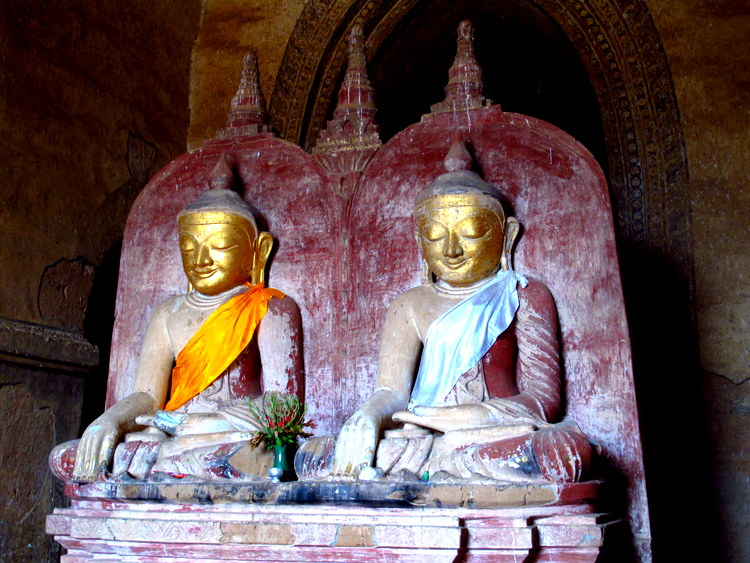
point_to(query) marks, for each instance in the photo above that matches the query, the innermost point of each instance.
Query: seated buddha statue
(468, 383)
(205, 353)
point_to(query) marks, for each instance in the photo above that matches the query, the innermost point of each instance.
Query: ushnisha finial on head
(220, 198)
(458, 157)
(221, 177)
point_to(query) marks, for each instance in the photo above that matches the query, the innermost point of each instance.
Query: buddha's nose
(204, 256)
(452, 246)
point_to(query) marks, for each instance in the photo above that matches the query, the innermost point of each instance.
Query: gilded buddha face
(220, 251)
(461, 236)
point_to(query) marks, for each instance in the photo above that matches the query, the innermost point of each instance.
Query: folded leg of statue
(406, 449)
(208, 456)
(62, 459)
(314, 458)
(558, 453)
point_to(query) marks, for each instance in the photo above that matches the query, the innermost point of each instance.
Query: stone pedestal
(379, 521)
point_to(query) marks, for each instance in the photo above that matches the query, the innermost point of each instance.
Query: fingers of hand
(427, 411)
(81, 468)
(87, 458)
(94, 451)
(351, 450)
(105, 452)
(345, 450)
(406, 416)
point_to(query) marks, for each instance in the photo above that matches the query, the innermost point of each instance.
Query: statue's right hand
(95, 449)
(355, 447)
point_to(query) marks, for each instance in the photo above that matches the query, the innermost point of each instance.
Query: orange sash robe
(218, 342)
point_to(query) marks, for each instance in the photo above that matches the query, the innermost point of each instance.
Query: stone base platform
(230, 521)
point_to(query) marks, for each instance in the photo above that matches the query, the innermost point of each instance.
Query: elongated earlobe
(426, 273)
(263, 247)
(511, 232)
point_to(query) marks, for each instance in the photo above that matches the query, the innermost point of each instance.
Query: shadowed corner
(672, 408)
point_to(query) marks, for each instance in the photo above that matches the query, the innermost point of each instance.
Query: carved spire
(351, 137)
(248, 113)
(356, 96)
(465, 87)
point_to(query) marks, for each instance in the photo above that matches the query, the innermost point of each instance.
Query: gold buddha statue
(469, 381)
(204, 354)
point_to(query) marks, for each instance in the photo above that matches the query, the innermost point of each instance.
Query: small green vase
(280, 458)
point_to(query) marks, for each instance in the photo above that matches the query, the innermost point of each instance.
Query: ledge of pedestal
(368, 493)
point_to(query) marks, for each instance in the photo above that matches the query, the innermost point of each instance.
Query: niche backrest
(559, 194)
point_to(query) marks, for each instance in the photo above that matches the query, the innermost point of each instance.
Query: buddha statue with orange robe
(205, 353)
(469, 383)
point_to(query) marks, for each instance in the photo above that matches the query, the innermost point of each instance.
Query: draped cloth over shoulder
(460, 337)
(218, 342)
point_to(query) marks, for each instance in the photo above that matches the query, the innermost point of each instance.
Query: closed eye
(186, 244)
(475, 227)
(474, 234)
(434, 232)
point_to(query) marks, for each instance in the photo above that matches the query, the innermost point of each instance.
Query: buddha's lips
(203, 274)
(454, 265)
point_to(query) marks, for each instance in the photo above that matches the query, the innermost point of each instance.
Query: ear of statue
(263, 247)
(426, 273)
(511, 232)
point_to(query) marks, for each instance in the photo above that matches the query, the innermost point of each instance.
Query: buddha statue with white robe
(469, 382)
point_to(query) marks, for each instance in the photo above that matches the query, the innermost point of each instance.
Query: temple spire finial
(350, 138)
(356, 96)
(465, 86)
(247, 115)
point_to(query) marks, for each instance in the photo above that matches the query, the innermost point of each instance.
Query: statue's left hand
(444, 419)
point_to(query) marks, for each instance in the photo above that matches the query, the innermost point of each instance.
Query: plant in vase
(281, 420)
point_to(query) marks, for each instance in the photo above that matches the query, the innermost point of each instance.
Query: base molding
(129, 531)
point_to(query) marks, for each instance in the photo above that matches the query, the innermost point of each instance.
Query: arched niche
(619, 101)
